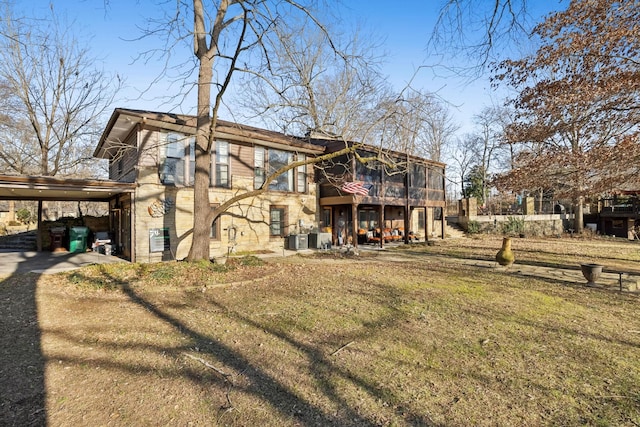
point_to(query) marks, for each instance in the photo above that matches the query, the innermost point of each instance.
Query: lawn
(411, 336)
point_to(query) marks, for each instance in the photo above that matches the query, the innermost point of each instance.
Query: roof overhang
(60, 189)
(124, 121)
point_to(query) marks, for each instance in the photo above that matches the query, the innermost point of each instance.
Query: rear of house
(156, 151)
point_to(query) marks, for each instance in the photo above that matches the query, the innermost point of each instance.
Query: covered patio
(46, 188)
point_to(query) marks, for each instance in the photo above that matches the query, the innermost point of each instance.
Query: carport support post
(354, 224)
(381, 224)
(39, 233)
(407, 224)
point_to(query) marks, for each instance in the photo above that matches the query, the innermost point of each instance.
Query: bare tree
(56, 95)
(412, 121)
(462, 159)
(479, 32)
(230, 37)
(486, 144)
(309, 87)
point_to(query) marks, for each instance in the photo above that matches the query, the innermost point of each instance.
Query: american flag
(356, 187)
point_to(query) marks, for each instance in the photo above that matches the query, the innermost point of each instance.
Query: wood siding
(241, 160)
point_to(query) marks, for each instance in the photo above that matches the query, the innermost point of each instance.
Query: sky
(403, 26)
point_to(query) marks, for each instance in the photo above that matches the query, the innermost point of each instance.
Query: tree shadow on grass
(324, 370)
(262, 384)
(22, 364)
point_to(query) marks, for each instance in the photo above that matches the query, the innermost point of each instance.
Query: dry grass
(369, 340)
(614, 254)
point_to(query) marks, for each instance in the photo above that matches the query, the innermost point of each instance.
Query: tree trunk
(201, 207)
(578, 220)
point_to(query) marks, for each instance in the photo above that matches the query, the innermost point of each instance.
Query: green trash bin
(78, 239)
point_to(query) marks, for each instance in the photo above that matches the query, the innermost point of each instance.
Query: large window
(370, 172)
(177, 159)
(277, 221)
(222, 164)
(277, 160)
(368, 219)
(267, 161)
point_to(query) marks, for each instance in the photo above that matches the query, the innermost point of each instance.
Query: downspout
(407, 207)
(443, 220)
(39, 233)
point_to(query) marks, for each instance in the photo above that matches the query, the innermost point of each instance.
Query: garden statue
(505, 256)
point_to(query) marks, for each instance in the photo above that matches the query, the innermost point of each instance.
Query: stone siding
(248, 220)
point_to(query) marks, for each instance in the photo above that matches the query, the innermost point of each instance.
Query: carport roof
(20, 187)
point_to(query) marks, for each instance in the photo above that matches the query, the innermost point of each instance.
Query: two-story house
(155, 151)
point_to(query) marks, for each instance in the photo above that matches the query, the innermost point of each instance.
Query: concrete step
(453, 231)
(25, 240)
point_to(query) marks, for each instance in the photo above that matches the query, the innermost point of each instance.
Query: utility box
(78, 239)
(320, 240)
(56, 235)
(298, 242)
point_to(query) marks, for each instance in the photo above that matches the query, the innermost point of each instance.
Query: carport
(46, 188)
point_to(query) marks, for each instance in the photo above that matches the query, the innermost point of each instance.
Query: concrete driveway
(12, 262)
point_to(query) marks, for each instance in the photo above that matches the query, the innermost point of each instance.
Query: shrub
(513, 225)
(24, 216)
(473, 227)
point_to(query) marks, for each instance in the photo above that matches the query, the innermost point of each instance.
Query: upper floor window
(436, 179)
(370, 172)
(222, 164)
(259, 167)
(301, 175)
(268, 161)
(278, 159)
(177, 159)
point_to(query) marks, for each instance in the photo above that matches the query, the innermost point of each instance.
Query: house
(155, 151)
(618, 215)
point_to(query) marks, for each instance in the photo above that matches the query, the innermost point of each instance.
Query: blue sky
(404, 27)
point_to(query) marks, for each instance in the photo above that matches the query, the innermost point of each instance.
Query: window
(277, 221)
(215, 227)
(177, 159)
(120, 167)
(368, 219)
(222, 164)
(326, 217)
(421, 219)
(259, 167)
(301, 174)
(370, 172)
(277, 160)
(268, 161)
(171, 154)
(437, 213)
